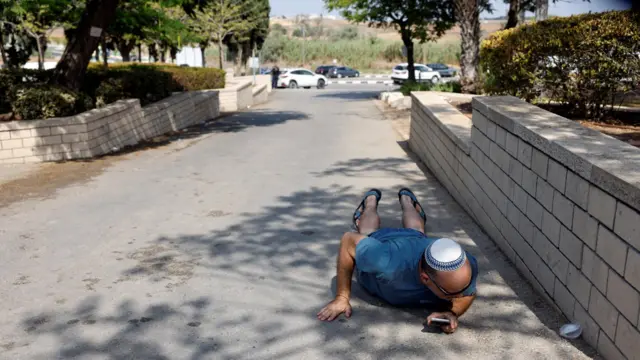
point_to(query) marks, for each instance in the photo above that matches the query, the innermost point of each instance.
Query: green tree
(243, 44)
(135, 20)
(278, 29)
(467, 13)
(38, 18)
(219, 19)
(424, 20)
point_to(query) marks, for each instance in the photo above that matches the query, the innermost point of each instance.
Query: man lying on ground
(403, 267)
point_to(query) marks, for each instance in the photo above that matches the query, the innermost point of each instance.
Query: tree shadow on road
(277, 262)
(360, 95)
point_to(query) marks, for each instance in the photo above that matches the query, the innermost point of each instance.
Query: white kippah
(444, 255)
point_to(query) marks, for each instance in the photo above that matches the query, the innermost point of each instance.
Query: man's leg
(410, 215)
(369, 221)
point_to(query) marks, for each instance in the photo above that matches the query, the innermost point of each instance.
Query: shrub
(409, 86)
(580, 61)
(149, 83)
(11, 79)
(450, 86)
(47, 101)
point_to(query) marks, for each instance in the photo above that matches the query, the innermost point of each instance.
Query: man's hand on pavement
(447, 328)
(334, 309)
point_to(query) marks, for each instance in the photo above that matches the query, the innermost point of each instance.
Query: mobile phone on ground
(440, 321)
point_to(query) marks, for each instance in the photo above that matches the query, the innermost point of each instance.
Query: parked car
(343, 71)
(423, 73)
(294, 78)
(444, 70)
(324, 69)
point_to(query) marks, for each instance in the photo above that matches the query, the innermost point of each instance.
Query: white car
(295, 78)
(423, 73)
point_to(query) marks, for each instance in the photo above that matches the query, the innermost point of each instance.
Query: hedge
(580, 61)
(30, 94)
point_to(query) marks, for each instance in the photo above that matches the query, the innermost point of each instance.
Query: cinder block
(571, 246)
(41, 131)
(628, 339)
(543, 274)
(632, 271)
(529, 180)
(595, 269)
(585, 227)
(590, 329)
(612, 249)
(534, 212)
(512, 145)
(557, 175)
(513, 214)
(607, 348)
(23, 152)
(524, 153)
(481, 140)
(579, 285)
(491, 130)
(624, 297)
(501, 137)
(20, 134)
(551, 255)
(6, 154)
(577, 189)
(565, 300)
(525, 228)
(68, 129)
(627, 225)
(563, 209)
(603, 312)
(519, 198)
(5, 135)
(515, 170)
(544, 194)
(11, 144)
(602, 206)
(500, 157)
(551, 227)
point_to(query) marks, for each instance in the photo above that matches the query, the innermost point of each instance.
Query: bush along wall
(580, 61)
(30, 95)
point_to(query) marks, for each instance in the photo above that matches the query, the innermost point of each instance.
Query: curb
(360, 82)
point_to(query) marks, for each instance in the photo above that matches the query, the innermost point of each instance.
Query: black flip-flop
(414, 199)
(356, 214)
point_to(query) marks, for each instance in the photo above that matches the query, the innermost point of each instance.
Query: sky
(562, 7)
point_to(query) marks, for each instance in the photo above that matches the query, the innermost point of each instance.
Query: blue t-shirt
(387, 266)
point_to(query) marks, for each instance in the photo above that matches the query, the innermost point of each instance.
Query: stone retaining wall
(104, 130)
(260, 94)
(236, 96)
(560, 200)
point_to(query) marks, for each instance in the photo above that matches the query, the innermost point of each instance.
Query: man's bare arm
(346, 263)
(460, 305)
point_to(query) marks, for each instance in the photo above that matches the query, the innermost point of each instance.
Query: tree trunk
(408, 43)
(153, 52)
(139, 52)
(203, 49)
(105, 53)
(5, 61)
(468, 15)
(173, 52)
(220, 52)
(522, 16)
(542, 10)
(163, 54)
(40, 53)
(97, 54)
(125, 48)
(72, 66)
(512, 15)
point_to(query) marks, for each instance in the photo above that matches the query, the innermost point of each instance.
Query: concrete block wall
(260, 94)
(560, 200)
(238, 95)
(104, 130)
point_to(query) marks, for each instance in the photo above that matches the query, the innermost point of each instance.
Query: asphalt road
(222, 246)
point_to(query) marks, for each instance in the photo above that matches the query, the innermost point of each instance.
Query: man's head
(445, 269)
